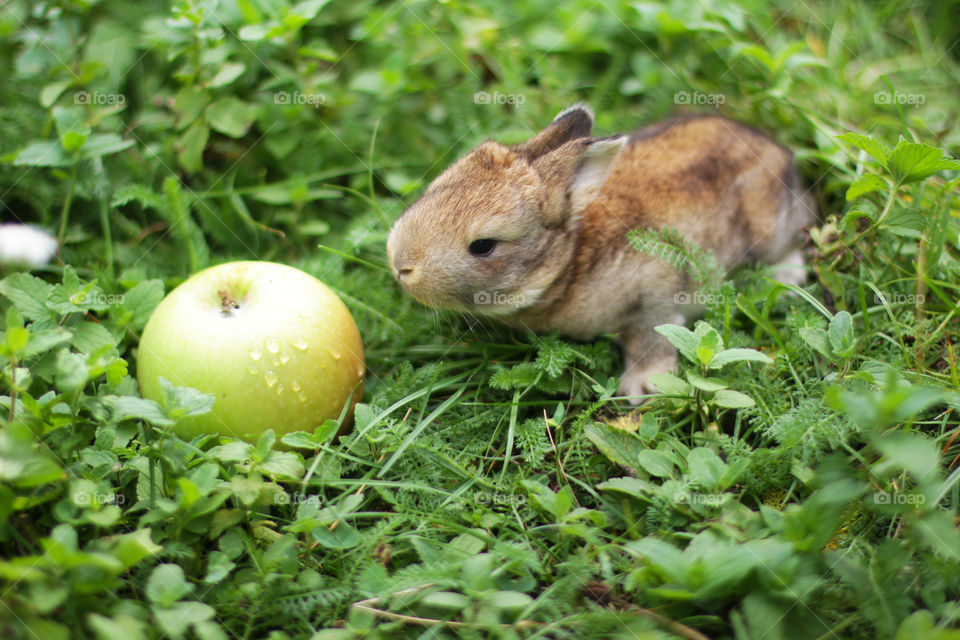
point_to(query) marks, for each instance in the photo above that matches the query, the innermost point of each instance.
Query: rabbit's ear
(595, 166)
(570, 124)
(573, 174)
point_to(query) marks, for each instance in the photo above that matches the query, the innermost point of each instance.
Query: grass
(493, 485)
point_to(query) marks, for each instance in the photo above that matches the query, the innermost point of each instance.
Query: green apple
(275, 346)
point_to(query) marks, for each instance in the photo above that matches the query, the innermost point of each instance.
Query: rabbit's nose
(403, 268)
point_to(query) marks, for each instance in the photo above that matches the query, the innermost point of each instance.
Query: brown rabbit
(536, 234)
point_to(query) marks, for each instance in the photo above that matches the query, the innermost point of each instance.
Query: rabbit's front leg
(646, 352)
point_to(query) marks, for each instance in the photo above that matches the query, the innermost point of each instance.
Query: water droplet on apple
(336, 354)
(252, 371)
(280, 388)
(300, 343)
(272, 345)
(284, 358)
(270, 378)
(256, 354)
(302, 398)
(295, 385)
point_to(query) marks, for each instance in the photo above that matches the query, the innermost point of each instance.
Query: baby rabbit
(536, 234)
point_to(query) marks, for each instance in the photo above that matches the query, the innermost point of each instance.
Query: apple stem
(227, 303)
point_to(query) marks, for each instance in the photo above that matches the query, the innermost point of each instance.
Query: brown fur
(560, 206)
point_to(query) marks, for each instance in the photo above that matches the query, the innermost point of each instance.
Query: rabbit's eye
(482, 247)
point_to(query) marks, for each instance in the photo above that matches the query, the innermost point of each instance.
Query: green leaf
(191, 145)
(44, 154)
(707, 347)
(121, 625)
(655, 462)
(178, 617)
(907, 222)
(706, 384)
(663, 555)
(729, 399)
(141, 300)
(509, 600)
(71, 128)
(52, 91)
(230, 116)
(914, 161)
(72, 371)
(449, 600)
(706, 468)
(228, 72)
(914, 453)
(90, 337)
(233, 451)
(46, 340)
(132, 548)
(342, 536)
(29, 294)
(17, 337)
(618, 445)
(553, 355)
(669, 384)
(105, 144)
(922, 624)
(939, 531)
(167, 584)
(134, 408)
(841, 335)
(219, 566)
(818, 340)
(683, 339)
(189, 103)
(319, 437)
(728, 356)
(184, 401)
(283, 466)
(875, 148)
(867, 183)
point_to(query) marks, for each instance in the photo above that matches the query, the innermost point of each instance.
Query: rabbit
(535, 235)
